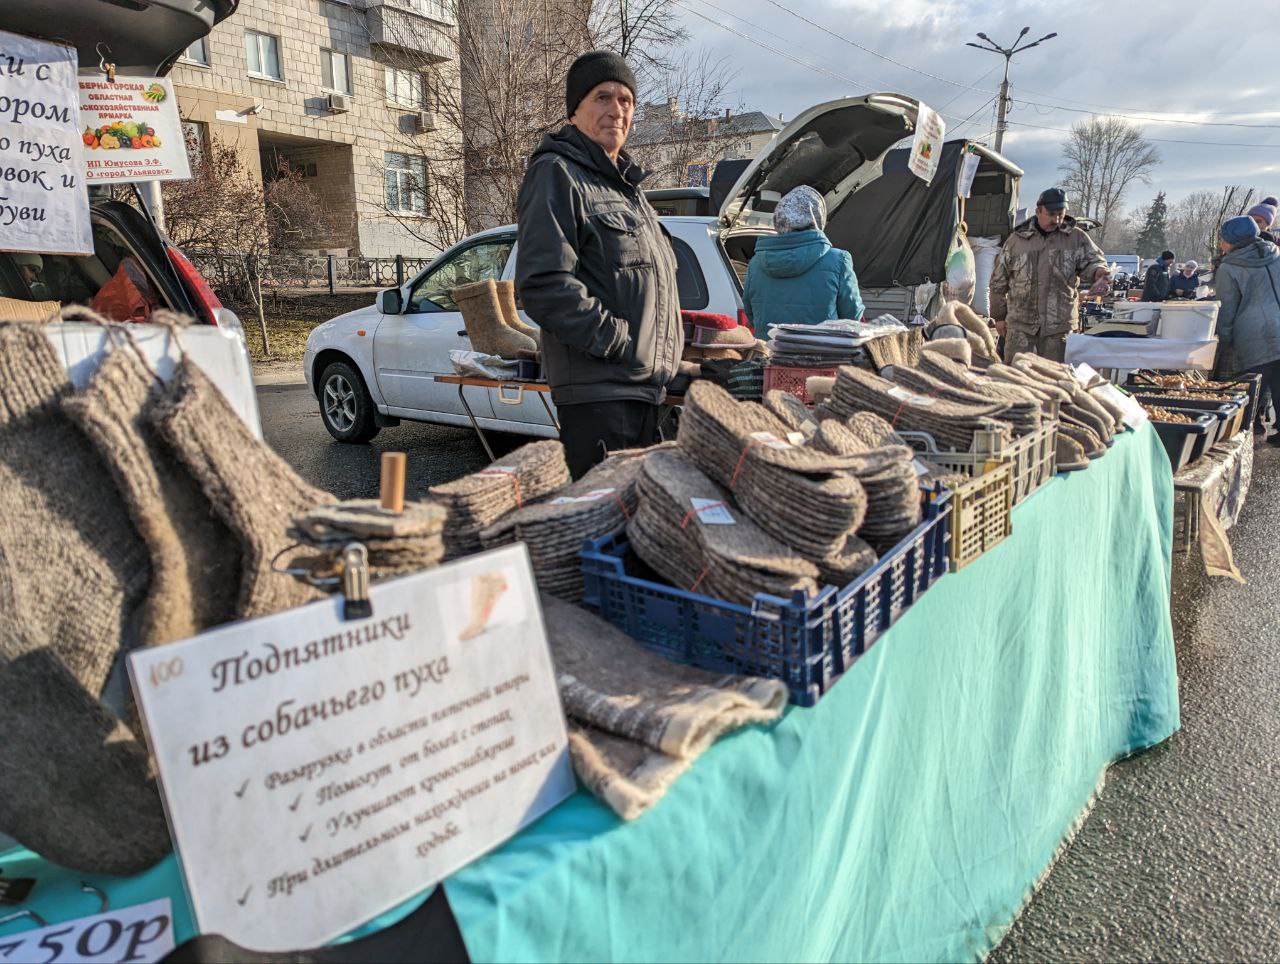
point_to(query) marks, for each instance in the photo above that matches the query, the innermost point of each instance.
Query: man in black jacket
(1159, 280)
(596, 271)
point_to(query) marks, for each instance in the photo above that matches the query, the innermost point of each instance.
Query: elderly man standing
(1034, 296)
(596, 271)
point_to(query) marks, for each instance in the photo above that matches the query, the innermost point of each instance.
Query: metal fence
(226, 272)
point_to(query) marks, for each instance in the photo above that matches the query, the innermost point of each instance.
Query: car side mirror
(390, 302)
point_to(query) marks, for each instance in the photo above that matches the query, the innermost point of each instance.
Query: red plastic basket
(792, 379)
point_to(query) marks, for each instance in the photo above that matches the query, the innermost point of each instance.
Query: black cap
(589, 71)
(1054, 199)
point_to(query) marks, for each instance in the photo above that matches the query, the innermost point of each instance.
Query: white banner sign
(139, 934)
(44, 207)
(926, 146)
(317, 773)
(131, 129)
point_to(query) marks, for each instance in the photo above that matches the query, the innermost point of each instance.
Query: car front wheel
(345, 406)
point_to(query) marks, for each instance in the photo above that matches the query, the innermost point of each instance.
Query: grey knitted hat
(800, 209)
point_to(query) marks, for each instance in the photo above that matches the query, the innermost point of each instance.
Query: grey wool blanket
(638, 721)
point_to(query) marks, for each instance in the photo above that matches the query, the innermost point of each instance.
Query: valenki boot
(511, 314)
(482, 316)
(195, 561)
(252, 490)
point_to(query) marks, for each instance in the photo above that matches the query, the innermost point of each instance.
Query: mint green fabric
(904, 818)
(907, 816)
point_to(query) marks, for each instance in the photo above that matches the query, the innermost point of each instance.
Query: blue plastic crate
(806, 641)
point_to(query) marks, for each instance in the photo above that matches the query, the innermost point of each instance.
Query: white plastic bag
(961, 271)
(475, 364)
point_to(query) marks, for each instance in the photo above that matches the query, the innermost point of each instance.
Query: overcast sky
(1208, 62)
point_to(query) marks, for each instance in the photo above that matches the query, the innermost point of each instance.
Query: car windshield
(481, 261)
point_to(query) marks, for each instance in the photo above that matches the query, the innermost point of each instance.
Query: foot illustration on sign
(486, 589)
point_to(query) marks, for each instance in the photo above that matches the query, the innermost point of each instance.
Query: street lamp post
(1007, 53)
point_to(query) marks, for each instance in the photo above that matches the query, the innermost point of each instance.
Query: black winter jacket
(596, 272)
(1158, 283)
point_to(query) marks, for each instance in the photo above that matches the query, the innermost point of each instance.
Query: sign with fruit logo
(131, 130)
(926, 146)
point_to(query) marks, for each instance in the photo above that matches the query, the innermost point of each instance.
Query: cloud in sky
(1197, 64)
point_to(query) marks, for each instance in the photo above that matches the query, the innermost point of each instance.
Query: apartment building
(682, 151)
(340, 91)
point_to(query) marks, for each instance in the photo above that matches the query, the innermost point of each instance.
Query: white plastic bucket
(1188, 321)
(1144, 311)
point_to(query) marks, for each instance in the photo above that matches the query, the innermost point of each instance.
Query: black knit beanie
(591, 69)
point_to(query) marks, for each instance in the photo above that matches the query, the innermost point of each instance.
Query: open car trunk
(897, 228)
(143, 36)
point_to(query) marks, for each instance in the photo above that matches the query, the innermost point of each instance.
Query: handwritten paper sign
(131, 130)
(968, 171)
(926, 146)
(316, 772)
(139, 934)
(44, 207)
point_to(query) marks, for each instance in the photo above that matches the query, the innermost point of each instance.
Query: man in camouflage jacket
(1035, 284)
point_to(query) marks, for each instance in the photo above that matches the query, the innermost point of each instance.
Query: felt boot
(253, 491)
(510, 314)
(73, 572)
(76, 785)
(482, 316)
(195, 561)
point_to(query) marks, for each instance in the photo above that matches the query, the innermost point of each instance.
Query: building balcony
(419, 26)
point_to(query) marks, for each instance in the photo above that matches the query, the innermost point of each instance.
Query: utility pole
(1007, 53)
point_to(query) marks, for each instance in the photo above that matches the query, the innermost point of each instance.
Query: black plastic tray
(1224, 412)
(1179, 439)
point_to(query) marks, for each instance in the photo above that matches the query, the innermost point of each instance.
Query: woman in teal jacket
(796, 276)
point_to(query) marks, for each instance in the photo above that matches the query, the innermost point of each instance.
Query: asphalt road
(1179, 858)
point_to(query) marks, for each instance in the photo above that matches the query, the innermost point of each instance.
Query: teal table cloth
(908, 815)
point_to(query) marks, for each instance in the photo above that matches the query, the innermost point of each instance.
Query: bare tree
(688, 122)
(235, 225)
(1194, 223)
(1101, 159)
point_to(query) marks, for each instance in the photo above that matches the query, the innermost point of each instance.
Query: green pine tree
(1151, 239)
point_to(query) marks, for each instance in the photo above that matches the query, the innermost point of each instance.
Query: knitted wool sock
(253, 490)
(482, 316)
(194, 558)
(76, 783)
(510, 313)
(72, 569)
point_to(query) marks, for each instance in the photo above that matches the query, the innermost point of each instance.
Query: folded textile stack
(1081, 418)
(1072, 452)
(597, 505)
(957, 383)
(637, 721)
(797, 494)
(899, 348)
(398, 543)
(951, 424)
(686, 529)
(979, 334)
(477, 501)
(957, 349)
(791, 412)
(829, 343)
(887, 473)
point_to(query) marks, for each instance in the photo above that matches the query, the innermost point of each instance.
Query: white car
(376, 365)
(371, 367)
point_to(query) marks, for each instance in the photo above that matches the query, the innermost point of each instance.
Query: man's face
(1049, 220)
(605, 115)
(31, 273)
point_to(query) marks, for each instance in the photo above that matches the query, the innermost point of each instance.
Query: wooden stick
(393, 471)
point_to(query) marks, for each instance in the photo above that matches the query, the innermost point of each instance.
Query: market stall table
(1128, 354)
(908, 816)
(541, 389)
(1222, 476)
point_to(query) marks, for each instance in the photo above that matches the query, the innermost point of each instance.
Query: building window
(335, 71)
(198, 52)
(407, 88)
(406, 182)
(195, 136)
(262, 54)
(438, 10)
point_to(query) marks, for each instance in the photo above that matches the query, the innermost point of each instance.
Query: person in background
(1158, 282)
(596, 270)
(796, 277)
(1264, 215)
(1035, 299)
(31, 266)
(1248, 287)
(1186, 281)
